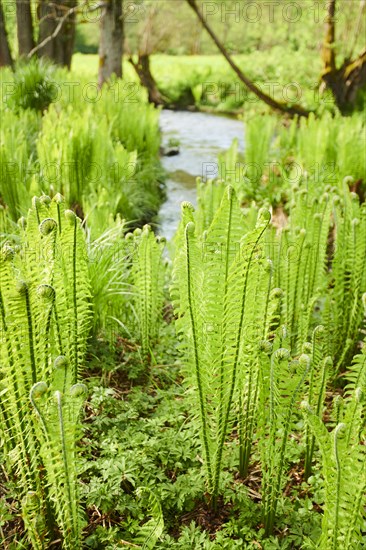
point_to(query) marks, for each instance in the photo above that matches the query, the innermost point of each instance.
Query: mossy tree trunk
(343, 82)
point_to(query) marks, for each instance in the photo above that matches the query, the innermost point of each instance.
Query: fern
(45, 311)
(348, 277)
(344, 472)
(281, 383)
(320, 371)
(258, 323)
(299, 253)
(152, 530)
(147, 278)
(109, 271)
(209, 197)
(58, 415)
(210, 296)
(356, 373)
(258, 136)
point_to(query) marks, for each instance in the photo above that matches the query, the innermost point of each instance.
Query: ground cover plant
(205, 393)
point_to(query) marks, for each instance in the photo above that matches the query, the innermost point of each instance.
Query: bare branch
(67, 14)
(271, 101)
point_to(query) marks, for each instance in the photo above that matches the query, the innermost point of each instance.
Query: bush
(34, 86)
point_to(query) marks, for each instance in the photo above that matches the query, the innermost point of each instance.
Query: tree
(345, 81)
(271, 101)
(146, 46)
(56, 37)
(111, 41)
(5, 54)
(24, 27)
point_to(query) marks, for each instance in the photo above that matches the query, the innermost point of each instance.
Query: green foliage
(319, 374)
(147, 280)
(16, 152)
(133, 124)
(209, 197)
(318, 262)
(102, 155)
(258, 135)
(109, 265)
(128, 273)
(147, 436)
(344, 471)
(58, 415)
(152, 530)
(34, 86)
(100, 171)
(259, 326)
(313, 154)
(348, 278)
(280, 384)
(45, 313)
(212, 274)
(299, 253)
(248, 296)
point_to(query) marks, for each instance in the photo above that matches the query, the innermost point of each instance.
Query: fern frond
(319, 374)
(343, 469)
(212, 281)
(281, 383)
(59, 415)
(44, 288)
(147, 278)
(152, 530)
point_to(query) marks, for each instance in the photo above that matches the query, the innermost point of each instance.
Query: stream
(201, 138)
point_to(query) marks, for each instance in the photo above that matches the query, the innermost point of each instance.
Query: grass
(220, 89)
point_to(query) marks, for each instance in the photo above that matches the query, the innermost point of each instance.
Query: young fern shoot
(281, 383)
(344, 471)
(210, 294)
(319, 374)
(58, 413)
(44, 312)
(148, 278)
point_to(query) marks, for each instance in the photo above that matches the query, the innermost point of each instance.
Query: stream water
(201, 137)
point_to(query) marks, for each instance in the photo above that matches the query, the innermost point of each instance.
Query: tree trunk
(24, 27)
(47, 24)
(5, 55)
(111, 42)
(328, 50)
(142, 68)
(274, 104)
(343, 82)
(65, 40)
(60, 48)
